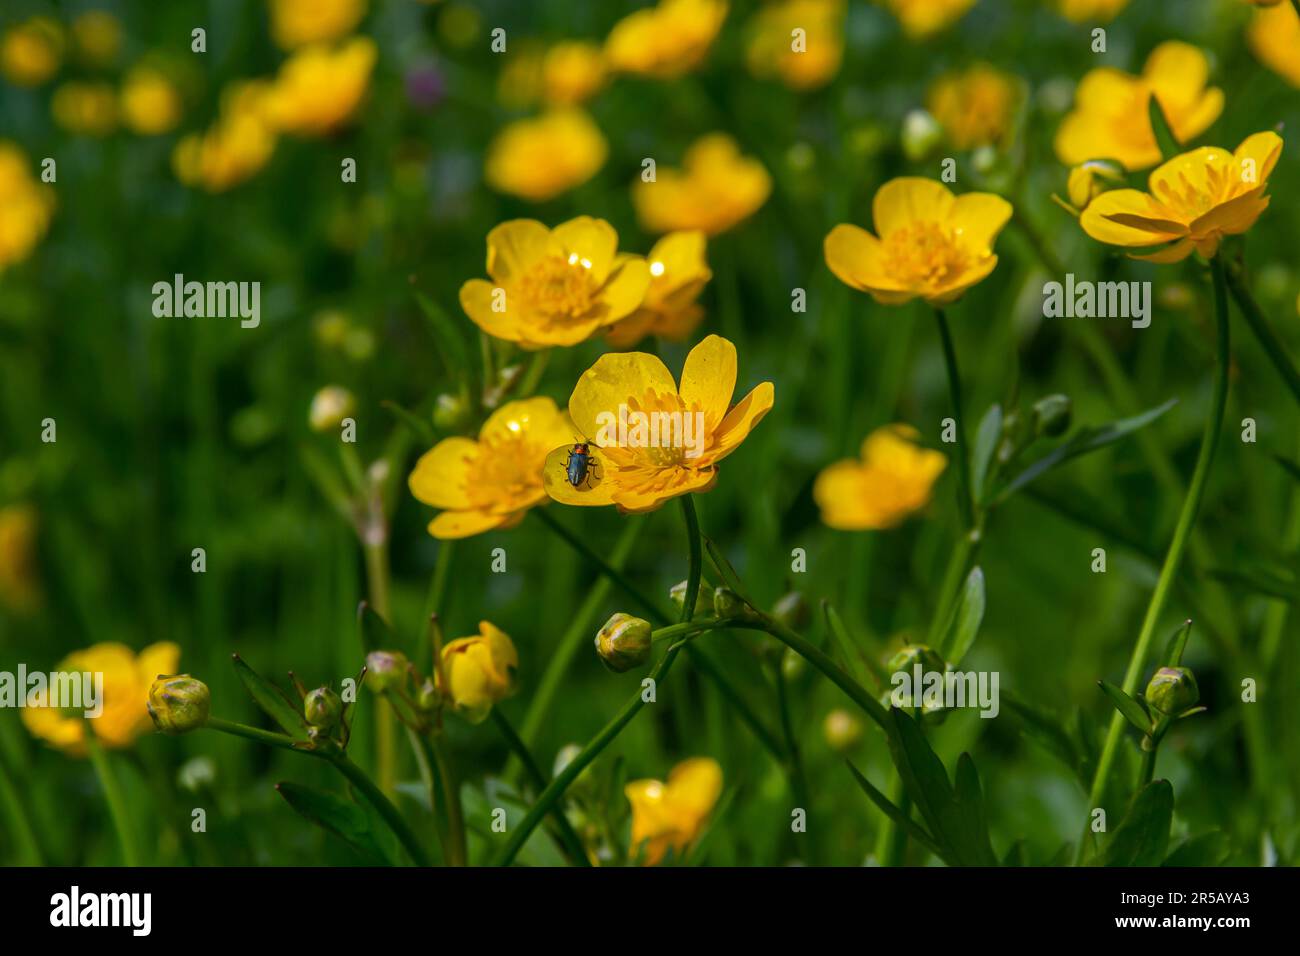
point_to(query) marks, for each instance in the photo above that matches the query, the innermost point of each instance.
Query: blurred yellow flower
(31, 51)
(150, 102)
(922, 18)
(491, 482)
(1274, 38)
(672, 815)
(26, 206)
(666, 40)
(97, 36)
(319, 88)
(648, 439)
(715, 189)
(891, 479)
(89, 109)
(678, 271)
(1110, 119)
(975, 106)
(799, 41)
(1089, 180)
(554, 286)
(1195, 200)
(479, 671)
(20, 588)
(572, 72)
(932, 245)
(127, 679)
(1090, 11)
(537, 159)
(296, 23)
(234, 148)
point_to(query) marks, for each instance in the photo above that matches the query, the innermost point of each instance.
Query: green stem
(556, 788)
(112, 796)
(1259, 325)
(357, 777)
(1148, 769)
(965, 500)
(456, 850)
(1173, 557)
(424, 763)
(20, 824)
(377, 577)
(798, 779)
(573, 844)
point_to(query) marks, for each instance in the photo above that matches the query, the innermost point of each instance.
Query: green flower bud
(842, 730)
(1051, 416)
(323, 708)
(921, 134)
(1172, 690)
(703, 600)
(179, 704)
(386, 670)
(727, 604)
(906, 661)
(329, 407)
(450, 414)
(793, 611)
(624, 642)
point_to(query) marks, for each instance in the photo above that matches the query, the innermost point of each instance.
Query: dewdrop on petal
(1172, 690)
(323, 708)
(179, 704)
(329, 407)
(624, 642)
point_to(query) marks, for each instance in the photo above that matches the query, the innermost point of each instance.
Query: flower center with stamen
(561, 289)
(925, 254)
(504, 475)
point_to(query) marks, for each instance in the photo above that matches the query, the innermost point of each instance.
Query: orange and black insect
(580, 467)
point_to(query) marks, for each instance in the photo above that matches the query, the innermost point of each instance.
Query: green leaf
(1165, 138)
(447, 336)
(421, 429)
(720, 564)
(966, 619)
(374, 631)
(896, 814)
(1177, 644)
(1206, 849)
(986, 442)
(973, 821)
(1143, 836)
(1133, 712)
(273, 701)
(340, 817)
(1080, 443)
(860, 665)
(1046, 730)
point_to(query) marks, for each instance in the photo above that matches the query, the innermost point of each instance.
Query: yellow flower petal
(595, 490)
(161, 658)
(1135, 225)
(709, 379)
(463, 524)
(614, 378)
(476, 298)
(626, 288)
(910, 199)
(979, 217)
(1175, 252)
(515, 246)
(440, 474)
(1265, 149)
(694, 785)
(590, 242)
(740, 421)
(857, 258)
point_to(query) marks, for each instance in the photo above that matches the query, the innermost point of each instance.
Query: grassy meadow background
(180, 433)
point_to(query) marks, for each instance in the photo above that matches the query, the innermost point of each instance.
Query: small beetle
(580, 466)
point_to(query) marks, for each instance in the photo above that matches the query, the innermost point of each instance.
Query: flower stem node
(624, 642)
(1052, 416)
(179, 704)
(323, 708)
(386, 670)
(729, 606)
(1172, 690)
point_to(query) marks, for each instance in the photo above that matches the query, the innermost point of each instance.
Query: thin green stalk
(1148, 769)
(112, 796)
(456, 850)
(20, 824)
(555, 790)
(1259, 325)
(377, 577)
(424, 764)
(434, 601)
(965, 501)
(572, 843)
(798, 779)
(1182, 531)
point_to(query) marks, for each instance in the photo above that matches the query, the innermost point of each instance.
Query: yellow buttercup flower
(891, 479)
(572, 72)
(97, 36)
(150, 102)
(1090, 11)
(672, 815)
(31, 51)
(26, 206)
(554, 286)
(479, 671)
(1089, 180)
(923, 18)
(667, 40)
(537, 159)
(678, 271)
(932, 245)
(715, 189)
(648, 439)
(296, 23)
(1110, 119)
(319, 88)
(127, 678)
(802, 61)
(491, 482)
(20, 588)
(1195, 200)
(974, 106)
(1274, 38)
(88, 109)
(236, 147)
